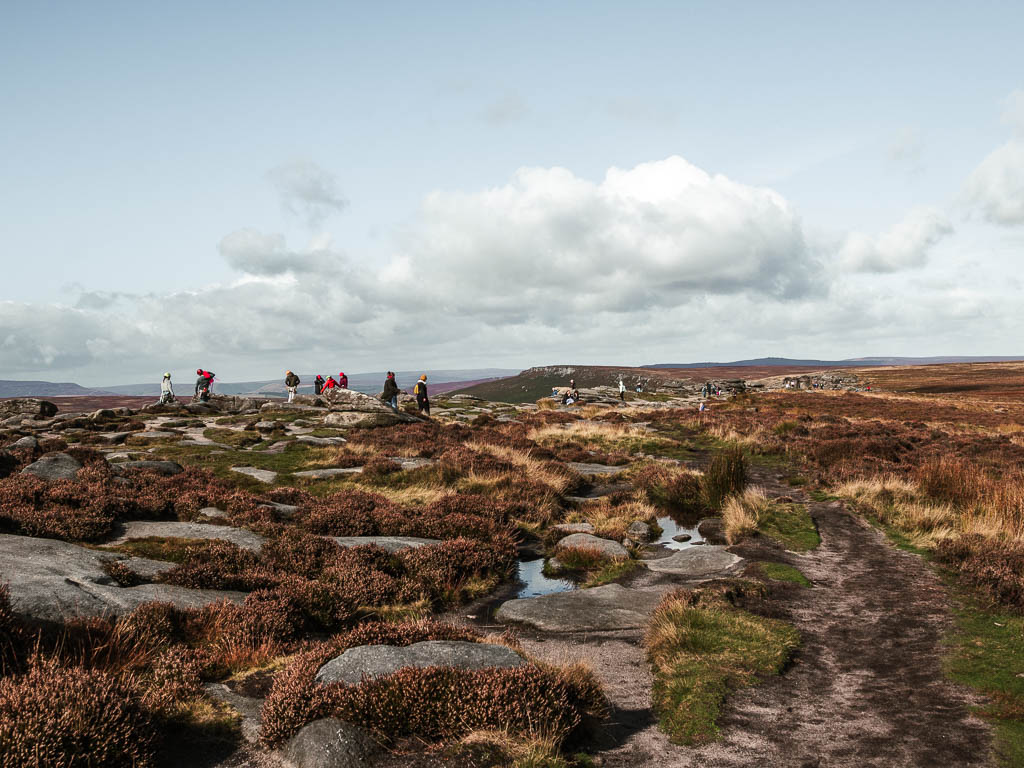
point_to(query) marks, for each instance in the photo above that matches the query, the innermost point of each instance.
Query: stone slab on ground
(330, 743)
(320, 441)
(377, 660)
(166, 468)
(263, 475)
(594, 469)
(326, 474)
(144, 529)
(607, 547)
(568, 528)
(698, 563)
(54, 580)
(610, 607)
(57, 466)
(390, 543)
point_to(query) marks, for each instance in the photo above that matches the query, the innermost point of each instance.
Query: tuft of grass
(783, 572)
(791, 524)
(701, 652)
(612, 571)
(726, 475)
(742, 512)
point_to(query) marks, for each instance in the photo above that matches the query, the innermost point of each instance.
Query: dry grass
(535, 469)
(901, 504)
(741, 513)
(610, 521)
(594, 431)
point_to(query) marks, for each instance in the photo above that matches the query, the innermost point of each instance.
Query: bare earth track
(866, 687)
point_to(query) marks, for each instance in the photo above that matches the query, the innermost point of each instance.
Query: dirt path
(866, 687)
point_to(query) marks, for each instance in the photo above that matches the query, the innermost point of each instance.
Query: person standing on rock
(390, 394)
(204, 384)
(166, 390)
(421, 396)
(291, 383)
(622, 390)
(318, 384)
(328, 385)
(343, 380)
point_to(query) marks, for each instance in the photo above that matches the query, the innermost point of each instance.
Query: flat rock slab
(263, 475)
(325, 474)
(594, 469)
(574, 528)
(698, 563)
(604, 608)
(330, 743)
(390, 543)
(166, 468)
(143, 529)
(310, 440)
(414, 463)
(377, 660)
(54, 581)
(607, 547)
(59, 466)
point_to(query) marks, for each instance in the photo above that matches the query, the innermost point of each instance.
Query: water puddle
(670, 529)
(535, 583)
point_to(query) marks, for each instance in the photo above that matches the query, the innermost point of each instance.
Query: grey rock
(263, 475)
(57, 466)
(682, 537)
(609, 607)
(266, 426)
(101, 414)
(27, 407)
(412, 463)
(155, 434)
(310, 440)
(166, 468)
(589, 541)
(279, 447)
(325, 474)
(286, 511)
(594, 469)
(147, 568)
(144, 529)
(390, 543)
(27, 443)
(712, 529)
(639, 530)
(698, 563)
(330, 743)
(114, 438)
(249, 708)
(364, 419)
(574, 527)
(212, 513)
(377, 660)
(350, 400)
(53, 581)
(281, 405)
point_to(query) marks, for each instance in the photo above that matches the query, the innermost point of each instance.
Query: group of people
(321, 385)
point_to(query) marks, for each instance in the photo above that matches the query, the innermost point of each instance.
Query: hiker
(328, 385)
(390, 394)
(291, 383)
(421, 396)
(343, 380)
(166, 390)
(639, 387)
(318, 384)
(622, 390)
(204, 384)
(572, 384)
(702, 408)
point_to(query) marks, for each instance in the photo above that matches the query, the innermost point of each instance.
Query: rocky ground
(865, 688)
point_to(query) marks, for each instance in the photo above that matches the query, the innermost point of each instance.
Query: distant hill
(48, 389)
(855, 362)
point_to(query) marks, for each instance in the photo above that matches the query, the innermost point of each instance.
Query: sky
(252, 187)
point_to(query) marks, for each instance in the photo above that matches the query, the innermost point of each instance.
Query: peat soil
(866, 687)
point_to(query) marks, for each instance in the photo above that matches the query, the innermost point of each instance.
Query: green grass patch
(986, 652)
(611, 572)
(817, 494)
(791, 524)
(783, 572)
(170, 550)
(233, 437)
(700, 653)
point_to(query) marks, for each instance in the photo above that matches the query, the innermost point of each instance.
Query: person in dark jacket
(203, 384)
(343, 380)
(318, 384)
(390, 394)
(291, 383)
(421, 396)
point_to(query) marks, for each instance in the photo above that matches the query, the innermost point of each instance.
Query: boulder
(605, 608)
(144, 529)
(589, 541)
(320, 441)
(682, 538)
(639, 530)
(28, 444)
(574, 528)
(698, 563)
(266, 426)
(390, 543)
(263, 475)
(56, 466)
(27, 407)
(330, 743)
(349, 400)
(365, 419)
(166, 468)
(53, 581)
(237, 404)
(378, 660)
(284, 511)
(712, 530)
(314, 400)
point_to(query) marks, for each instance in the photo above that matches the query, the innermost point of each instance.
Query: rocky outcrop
(377, 660)
(166, 468)
(144, 529)
(587, 610)
(330, 743)
(698, 563)
(606, 547)
(56, 466)
(27, 407)
(52, 581)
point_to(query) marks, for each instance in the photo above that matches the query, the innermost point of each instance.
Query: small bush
(57, 716)
(726, 475)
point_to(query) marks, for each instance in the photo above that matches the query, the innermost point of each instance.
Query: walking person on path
(421, 396)
(166, 390)
(291, 383)
(390, 395)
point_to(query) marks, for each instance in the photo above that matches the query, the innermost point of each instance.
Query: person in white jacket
(166, 390)
(622, 390)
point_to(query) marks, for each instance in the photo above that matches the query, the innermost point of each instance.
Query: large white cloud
(904, 246)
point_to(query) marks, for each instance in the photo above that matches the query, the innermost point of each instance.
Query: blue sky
(185, 184)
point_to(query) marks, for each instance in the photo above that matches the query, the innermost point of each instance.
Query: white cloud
(256, 253)
(996, 186)
(307, 190)
(904, 246)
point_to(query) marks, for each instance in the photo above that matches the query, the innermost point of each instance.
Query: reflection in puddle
(536, 583)
(670, 528)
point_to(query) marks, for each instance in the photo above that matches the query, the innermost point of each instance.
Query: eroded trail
(865, 689)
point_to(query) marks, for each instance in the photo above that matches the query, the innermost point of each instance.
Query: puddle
(536, 583)
(670, 528)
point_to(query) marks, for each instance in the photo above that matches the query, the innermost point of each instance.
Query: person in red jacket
(343, 380)
(329, 384)
(203, 384)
